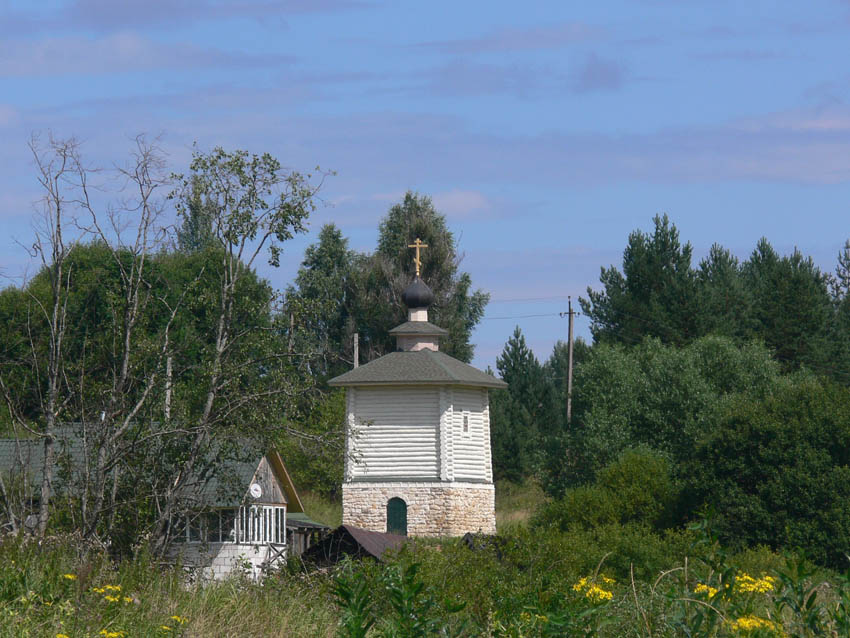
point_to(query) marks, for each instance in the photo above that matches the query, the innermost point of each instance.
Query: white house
(248, 516)
(251, 534)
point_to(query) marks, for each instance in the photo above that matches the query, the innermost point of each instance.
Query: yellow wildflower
(608, 581)
(705, 589)
(70, 576)
(112, 587)
(127, 599)
(112, 634)
(165, 627)
(62, 636)
(749, 624)
(179, 619)
(593, 591)
(112, 599)
(98, 590)
(597, 594)
(746, 583)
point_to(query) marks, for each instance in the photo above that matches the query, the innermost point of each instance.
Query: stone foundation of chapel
(433, 509)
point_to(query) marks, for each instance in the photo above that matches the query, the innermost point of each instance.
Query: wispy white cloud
(116, 53)
(461, 203)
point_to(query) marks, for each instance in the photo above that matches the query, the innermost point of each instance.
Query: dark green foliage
(784, 301)
(724, 300)
(636, 489)
(655, 295)
(776, 470)
(396, 602)
(314, 454)
(791, 307)
(339, 292)
(654, 396)
(523, 417)
(352, 593)
(320, 303)
(196, 231)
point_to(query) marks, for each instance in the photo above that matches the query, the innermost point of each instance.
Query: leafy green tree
(340, 292)
(556, 368)
(655, 295)
(775, 471)
(635, 488)
(196, 230)
(320, 302)
(724, 300)
(523, 417)
(652, 396)
(456, 307)
(791, 306)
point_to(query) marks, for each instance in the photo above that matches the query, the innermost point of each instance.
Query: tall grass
(62, 587)
(321, 509)
(609, 581)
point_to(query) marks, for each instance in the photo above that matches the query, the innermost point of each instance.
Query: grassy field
(608, 582)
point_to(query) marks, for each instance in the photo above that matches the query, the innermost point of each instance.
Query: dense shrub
(777, 471)
(635, 489)
(651, 395)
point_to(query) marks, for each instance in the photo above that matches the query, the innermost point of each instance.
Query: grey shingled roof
(418, 328)
(422, 367)
(24, 457)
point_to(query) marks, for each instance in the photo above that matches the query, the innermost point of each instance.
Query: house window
(251, 524)
(466, 423)
(397, 516)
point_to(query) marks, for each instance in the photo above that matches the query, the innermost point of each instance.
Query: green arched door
(397, 516)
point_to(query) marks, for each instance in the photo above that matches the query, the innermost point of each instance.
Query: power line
(549, 314)
(519, 299)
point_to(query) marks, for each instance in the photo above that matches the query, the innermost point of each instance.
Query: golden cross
(417, 245)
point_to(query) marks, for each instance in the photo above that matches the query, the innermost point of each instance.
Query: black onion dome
(417, 294)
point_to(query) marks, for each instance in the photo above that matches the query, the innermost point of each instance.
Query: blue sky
(544, 131)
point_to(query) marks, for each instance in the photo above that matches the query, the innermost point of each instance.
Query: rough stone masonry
(433, 509)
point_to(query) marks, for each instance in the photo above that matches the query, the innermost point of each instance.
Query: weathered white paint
(413, 343)
(257, 541)
(488, 456)
(218, 561)
(399, 431)
(400, 435)
(394, 432)
(417, 314)
(469, 448)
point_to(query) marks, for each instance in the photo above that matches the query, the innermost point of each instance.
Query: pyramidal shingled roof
(419, 367)
(418, 328)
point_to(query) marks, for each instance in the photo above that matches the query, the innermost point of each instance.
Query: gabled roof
(227, 487)
(420, 367)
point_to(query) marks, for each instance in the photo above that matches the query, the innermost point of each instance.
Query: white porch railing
(261, 525)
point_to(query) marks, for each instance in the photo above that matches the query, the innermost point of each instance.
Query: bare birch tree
(255, 206)
(56, 162)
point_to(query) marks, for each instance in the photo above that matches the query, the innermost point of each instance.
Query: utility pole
(356, 349)
(570, 364)
(569, 314)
